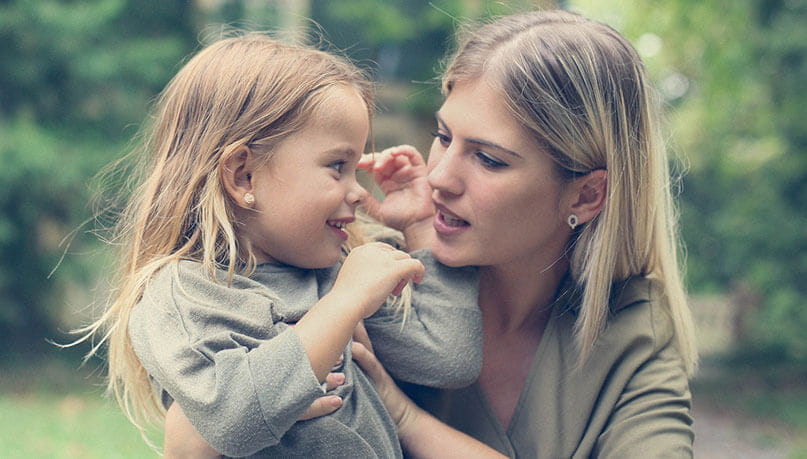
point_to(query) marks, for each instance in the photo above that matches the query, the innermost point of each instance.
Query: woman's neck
(517, 296)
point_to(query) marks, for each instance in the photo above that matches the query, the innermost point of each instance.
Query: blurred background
(77, 77)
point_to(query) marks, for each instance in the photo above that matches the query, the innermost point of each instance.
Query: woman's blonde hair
(581, 89)
(245, 90)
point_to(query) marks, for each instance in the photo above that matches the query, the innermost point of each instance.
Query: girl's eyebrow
(475, 141)
(344, 152)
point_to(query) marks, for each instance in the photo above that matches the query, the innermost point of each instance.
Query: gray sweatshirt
(228, 356)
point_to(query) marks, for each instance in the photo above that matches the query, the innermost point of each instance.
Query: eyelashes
(486, 160)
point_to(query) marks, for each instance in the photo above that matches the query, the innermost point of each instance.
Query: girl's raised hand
(401, 173)
(374, 271)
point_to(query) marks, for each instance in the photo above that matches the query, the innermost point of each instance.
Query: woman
(547, 171)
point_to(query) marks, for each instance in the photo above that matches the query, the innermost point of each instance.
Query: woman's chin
(449, 256)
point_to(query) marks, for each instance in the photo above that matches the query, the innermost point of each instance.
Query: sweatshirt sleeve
(242, 378)
(440, 342)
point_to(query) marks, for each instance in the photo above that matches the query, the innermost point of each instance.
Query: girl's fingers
(367, 161)
(334, 380)
(411, 153)
(322, 406)
(399, 288)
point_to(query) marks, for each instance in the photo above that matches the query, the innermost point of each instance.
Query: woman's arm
(421, 434)
(182, 440)
(652, 415)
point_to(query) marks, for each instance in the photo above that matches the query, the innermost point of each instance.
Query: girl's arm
(439, 344)
(242, 381)
(183, 441)
(400, 173)
(367, 277)
(420, 433)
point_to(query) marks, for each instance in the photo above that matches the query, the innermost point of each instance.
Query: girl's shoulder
(188, 285)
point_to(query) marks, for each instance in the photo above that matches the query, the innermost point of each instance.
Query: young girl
(232, 300)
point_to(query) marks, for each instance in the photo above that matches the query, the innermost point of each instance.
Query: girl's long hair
(245, 90)
(582, 91)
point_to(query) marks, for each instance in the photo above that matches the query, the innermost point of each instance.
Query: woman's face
(498, 197)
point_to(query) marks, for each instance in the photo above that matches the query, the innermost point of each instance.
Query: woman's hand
(421, 434)
(401, 173)
(182, 440)
(401, 408)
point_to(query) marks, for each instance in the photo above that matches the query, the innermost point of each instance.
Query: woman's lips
(447, 223)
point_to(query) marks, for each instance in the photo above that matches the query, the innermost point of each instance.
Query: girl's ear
(236, 171)
(588, 195)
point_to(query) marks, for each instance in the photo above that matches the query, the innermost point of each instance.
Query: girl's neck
(515, 297)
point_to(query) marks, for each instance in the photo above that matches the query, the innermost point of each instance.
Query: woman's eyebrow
(478, 141)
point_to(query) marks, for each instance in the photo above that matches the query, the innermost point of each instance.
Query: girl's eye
(444, 139)
(489, 162)
(337, 166)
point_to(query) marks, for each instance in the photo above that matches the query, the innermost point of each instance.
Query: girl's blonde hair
(246, 90)
(581, 89)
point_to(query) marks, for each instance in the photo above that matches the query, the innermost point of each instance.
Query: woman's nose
(444, 171)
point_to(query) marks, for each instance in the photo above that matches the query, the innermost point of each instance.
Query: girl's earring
(572, 221)
(249, 198)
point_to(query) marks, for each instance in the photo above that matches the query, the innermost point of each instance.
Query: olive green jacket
(631, 398)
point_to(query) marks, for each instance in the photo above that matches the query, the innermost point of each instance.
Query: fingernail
(336, 402)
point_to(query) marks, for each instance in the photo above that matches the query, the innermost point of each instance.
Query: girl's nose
(356, 195)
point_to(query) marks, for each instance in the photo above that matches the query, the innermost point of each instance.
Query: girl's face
(498, 197)
(307, 192)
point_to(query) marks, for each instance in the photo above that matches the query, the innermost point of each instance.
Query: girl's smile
(306, 194)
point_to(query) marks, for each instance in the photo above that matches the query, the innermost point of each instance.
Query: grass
(52, 408)
(46, 425)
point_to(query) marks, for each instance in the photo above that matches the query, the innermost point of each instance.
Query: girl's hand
(326, 404)
(374, 271)
(401, 173)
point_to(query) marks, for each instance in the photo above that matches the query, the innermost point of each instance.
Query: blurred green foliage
(77, 78)
(735, 78)
(75, 74)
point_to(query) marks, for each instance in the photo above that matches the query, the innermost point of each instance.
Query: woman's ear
(588, 196)
(236, 171)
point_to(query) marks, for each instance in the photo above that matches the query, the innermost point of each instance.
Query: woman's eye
(489, 161)
(444, 139)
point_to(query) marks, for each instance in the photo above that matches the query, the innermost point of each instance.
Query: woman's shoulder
(638, 310)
